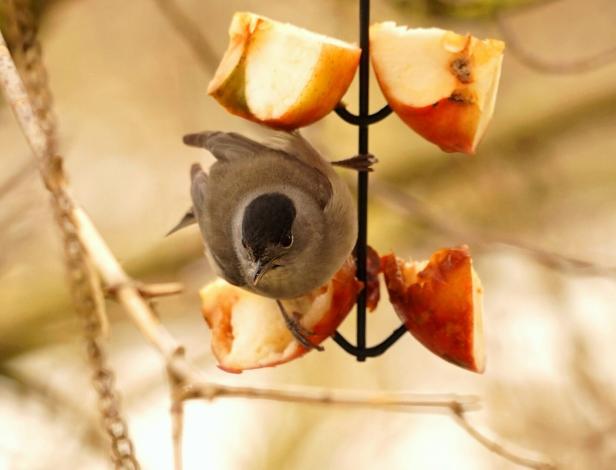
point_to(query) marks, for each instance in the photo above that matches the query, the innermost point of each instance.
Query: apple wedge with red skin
(280, 75)
(248, 331)
(440, 302)
(441, 84)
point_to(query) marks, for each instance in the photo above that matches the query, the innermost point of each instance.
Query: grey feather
(198, 187)
(225, 146)
(187, 220)
(206, 212)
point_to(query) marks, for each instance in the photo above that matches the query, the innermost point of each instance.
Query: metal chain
(84, 282)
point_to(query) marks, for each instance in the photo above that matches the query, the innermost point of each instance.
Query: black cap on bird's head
(267, 231)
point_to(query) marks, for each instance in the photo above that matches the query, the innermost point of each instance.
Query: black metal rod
(372, 351)
(363, 120)
(351, 118)
(344, 344)
(362, 177)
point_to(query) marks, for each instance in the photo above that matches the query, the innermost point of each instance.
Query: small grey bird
(276, 219)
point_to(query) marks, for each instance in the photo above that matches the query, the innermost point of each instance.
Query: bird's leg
(297, 330)
(358, 162)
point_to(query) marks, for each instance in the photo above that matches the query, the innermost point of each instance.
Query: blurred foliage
(461, 9)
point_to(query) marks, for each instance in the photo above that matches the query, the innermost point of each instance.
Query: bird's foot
(297, 330)
(358, 162)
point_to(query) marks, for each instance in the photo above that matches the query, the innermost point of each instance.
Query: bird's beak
(261, 268)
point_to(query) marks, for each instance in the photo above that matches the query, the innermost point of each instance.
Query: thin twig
(177, 420)
(151, 291)
(190, 32)
(10, 183)
(177, 432)
(163, 289)
(404, 203)
(585, 64)
(363, 399)
(516, 457)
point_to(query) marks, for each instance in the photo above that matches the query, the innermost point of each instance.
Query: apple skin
(330, 80)
(219, 298)
(450, 123)
(438, 304)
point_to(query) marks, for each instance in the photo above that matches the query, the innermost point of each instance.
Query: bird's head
(267, 235)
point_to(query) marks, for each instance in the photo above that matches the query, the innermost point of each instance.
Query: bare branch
(377, 399)
(151, 291)
(17, 96)
(516, 457)
(166, 289)
(177, 421)
(177, 432)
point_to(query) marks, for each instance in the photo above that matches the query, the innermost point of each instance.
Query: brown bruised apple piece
(440, 302)
(248, 331)
(373, 269)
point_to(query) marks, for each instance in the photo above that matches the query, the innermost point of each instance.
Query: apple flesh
(440, 302)
(441, 84)
(281, 75)
(248, 331)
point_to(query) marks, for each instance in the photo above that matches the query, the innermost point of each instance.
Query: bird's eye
(287, 240)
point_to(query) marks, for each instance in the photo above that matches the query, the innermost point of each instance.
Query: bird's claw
(299, 332)
(358, 162)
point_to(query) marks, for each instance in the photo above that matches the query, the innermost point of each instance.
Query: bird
(275, 217)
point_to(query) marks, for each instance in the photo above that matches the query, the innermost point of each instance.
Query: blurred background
(129, 79)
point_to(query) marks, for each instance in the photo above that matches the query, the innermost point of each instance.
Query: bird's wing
(187, 220)
(293, 143)
(288, 153)
(198, 187)
(225, 146)
(215, 237)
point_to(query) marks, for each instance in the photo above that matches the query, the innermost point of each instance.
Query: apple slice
(281, 75)
(248, 331)
(440, 302)
(443, 85)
